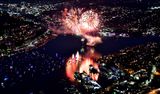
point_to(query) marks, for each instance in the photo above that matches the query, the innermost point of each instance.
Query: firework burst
(78, 21)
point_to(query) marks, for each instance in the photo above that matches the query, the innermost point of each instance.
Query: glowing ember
(81, 64)
(80, 22)
(155, 91)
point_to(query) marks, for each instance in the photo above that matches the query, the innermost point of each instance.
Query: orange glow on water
(71, 67)
(80, 64)
(84, 67)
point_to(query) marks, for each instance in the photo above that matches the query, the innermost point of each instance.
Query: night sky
(133, 3)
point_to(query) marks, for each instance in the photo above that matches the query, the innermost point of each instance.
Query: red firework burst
(79, 21)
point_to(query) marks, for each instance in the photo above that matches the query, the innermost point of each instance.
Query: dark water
(67, 45)
(63, 45)
(111, 45)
